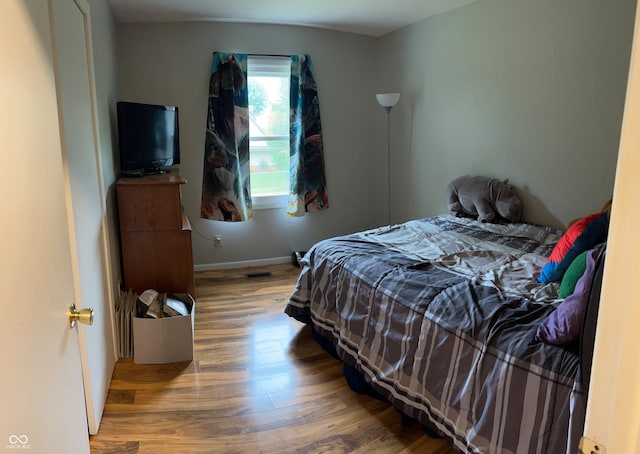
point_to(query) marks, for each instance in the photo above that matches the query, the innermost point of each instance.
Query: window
(268, 85)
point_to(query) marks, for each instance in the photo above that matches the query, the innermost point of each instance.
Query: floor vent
(259, 274)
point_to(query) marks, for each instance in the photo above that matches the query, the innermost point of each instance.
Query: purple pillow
(564, 325)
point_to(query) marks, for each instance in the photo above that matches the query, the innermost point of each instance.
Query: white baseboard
(242, 264)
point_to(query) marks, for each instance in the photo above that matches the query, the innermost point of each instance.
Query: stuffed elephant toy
(484, 198)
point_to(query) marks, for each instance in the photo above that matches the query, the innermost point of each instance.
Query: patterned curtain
(308, 190)
(226, 187)
(226, 191)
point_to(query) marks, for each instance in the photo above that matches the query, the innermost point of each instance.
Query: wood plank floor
(258, 384)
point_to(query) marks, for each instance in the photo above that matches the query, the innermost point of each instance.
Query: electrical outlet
(217, 241)
(587, 446)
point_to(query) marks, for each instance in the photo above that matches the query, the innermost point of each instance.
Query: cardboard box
(164, 340)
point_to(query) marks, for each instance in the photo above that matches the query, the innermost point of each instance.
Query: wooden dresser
(155, 234)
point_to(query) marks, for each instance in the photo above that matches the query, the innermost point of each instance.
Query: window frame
(268, 66)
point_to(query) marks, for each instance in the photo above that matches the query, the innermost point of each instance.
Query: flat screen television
(148, 138)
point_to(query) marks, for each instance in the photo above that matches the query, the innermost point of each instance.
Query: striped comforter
(439, 315)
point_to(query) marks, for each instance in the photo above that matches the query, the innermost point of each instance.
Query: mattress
(439, 316)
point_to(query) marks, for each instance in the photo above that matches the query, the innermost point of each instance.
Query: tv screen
(148, 137)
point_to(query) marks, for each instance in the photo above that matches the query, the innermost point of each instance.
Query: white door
(613, 410)
(74, 73)
(42, 406)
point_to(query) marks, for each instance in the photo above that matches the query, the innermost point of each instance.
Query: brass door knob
(84, 316)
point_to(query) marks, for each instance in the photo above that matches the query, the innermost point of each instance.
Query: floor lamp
(388, 100)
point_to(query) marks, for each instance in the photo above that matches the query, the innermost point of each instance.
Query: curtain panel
(226, 186)
(308, 189)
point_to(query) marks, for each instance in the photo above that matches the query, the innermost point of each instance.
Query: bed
(439, 317)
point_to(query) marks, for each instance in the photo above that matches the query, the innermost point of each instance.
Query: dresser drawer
(149, 207)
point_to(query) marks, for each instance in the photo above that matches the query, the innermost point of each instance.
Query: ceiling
(366, 17)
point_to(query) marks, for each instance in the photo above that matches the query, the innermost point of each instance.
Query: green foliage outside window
(269, 131)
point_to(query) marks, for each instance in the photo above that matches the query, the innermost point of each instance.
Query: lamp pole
(388, 100)
(388, 109)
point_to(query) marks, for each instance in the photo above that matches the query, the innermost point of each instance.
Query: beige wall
(527, 90)
(170, 64)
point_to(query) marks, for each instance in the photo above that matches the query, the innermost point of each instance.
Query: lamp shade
(388, 99)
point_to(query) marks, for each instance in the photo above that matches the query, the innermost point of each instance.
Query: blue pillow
(564, 325)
